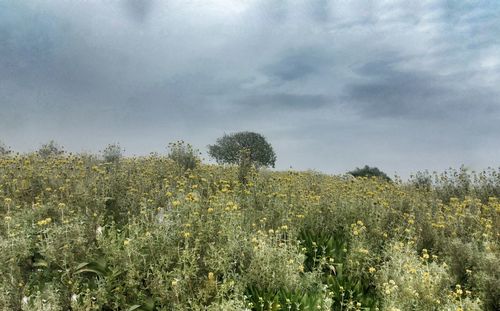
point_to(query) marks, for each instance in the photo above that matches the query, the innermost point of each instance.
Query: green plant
(113, 153)
(246, 149)
(184, 155)
(50, 149)
(4, 150)
(231, 148)
(368, 171)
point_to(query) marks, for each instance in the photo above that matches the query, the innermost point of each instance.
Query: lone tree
(246, 149)
(368, 171)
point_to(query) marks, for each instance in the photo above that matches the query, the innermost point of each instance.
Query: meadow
(142, 233)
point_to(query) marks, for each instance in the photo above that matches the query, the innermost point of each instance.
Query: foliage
(50, 149)
(112, 153)
(76, 235)
(4, 150)
(186, 157)
(239, 147)
(368, 171)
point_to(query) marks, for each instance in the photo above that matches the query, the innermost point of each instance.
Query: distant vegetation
(368, 171)
(50, 149)
(186, 157)
(78, 232)
(112, 153)
(4, 149)
(246, 149)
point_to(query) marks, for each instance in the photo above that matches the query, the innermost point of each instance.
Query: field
(143, 234)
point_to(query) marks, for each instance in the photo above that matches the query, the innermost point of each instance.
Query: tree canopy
(243, 146)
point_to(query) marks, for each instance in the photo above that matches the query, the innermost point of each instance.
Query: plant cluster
(144, 235)
(186, 157)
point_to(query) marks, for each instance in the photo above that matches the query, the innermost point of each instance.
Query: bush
(112, 153)
(50, 149)
(368, 171)
(186, 157)
(421, 181)
(4, 150)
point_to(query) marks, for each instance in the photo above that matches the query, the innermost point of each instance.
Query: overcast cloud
(401, 85)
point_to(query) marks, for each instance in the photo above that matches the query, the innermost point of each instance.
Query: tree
(241, 146)
(368, 171)
(246, 149)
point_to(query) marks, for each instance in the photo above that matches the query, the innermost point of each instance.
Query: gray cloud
(285, 101)
(321, 79)
(390, 92)
(139, 10)
(298, 63)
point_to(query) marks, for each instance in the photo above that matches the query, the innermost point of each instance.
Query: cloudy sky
(401, 85)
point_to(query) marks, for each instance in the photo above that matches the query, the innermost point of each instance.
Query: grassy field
(142, 234)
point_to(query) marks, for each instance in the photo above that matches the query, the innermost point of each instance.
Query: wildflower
(7, 201)
(372, 270)
(126, 242)
(174, 283)
(44, 222)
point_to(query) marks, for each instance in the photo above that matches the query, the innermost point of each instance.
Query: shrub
(4, 150)
(50, 149)
(184, 155)
(112, 153)
(368, 171)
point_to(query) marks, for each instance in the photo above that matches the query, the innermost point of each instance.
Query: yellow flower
(372, 270)
(44, 222)
(211, 276)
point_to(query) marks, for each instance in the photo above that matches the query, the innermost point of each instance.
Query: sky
(333, 85)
